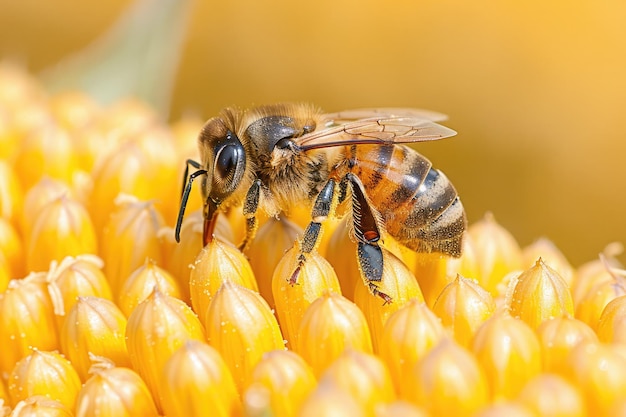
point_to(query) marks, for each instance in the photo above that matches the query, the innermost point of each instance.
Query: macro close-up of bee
(278, 157)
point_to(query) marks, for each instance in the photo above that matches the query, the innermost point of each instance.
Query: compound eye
(226, 161)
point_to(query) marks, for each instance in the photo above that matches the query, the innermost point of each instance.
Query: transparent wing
(375, 130)
(382, 112)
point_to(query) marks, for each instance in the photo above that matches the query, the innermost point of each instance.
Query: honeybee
(279, 156)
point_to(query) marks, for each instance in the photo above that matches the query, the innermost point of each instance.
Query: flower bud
(11, 247)
(293, 298)
(546, 250)
(41, 406)
(594, 302)
(140, 284)
(217, 263)
(551, 395)
(558, 337)
(197, 382)
(447, 381)
(463, 306)
(612, 322)
(505, 409)
(509, 353)
(327, 400)
(274, 238)
(11, 194)
(115, 392)
(399, 408)
(62, 228)
(39, 196)
(363, 376)
(73, 109)
(26, 309)
(497, 252)
(156, 329)
(408, 336)
(598, 372)
(596, 271)
(278, 385)
(241, 326)
(540, 294)
(130, 237)
(44, 373)
(399, 284)
(330, 325)
(94, 326)
(74, 277)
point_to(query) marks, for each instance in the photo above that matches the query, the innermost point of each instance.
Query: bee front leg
(367, 234)
(250, 207)
(321, 209)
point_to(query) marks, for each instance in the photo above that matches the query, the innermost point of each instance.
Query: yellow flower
(44, 373)
(293, 298)
(94, 326)
(540, 293)
(131, 236)
(463, 306)
(217, 263)
(241, 326)
(398, 283)
(140, 284)
(196, 382)
(447, 381)
(26, 320)
(330, 325)
(115, 392)
(156, 329)
(508, 352)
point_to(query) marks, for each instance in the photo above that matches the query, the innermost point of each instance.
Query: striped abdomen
(419, 206)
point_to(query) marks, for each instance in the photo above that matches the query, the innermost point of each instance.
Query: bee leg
(321, 209)
(367, 234)
(250, 207)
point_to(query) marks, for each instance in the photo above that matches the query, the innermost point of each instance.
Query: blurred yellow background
(536, 89)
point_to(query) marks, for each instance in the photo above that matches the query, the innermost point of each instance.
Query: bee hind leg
(367, 233)
(321, 209)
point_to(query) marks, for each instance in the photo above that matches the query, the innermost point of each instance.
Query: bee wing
(375, 130)
(355, 114)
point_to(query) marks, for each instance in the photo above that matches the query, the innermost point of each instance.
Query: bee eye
(226, 161)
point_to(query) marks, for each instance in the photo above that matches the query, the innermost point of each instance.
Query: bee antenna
(187, 183)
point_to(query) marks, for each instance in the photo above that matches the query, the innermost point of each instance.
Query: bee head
(224, 158)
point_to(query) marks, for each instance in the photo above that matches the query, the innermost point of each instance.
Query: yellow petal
(398, 283)
(551, 395)
(330, 325)
(558, 337)
(156, 329)
(41, 406)
(44, 373)
(363, 376)
(62, 228)
(540, 294)
(598, 372)
(463, 306)
(273, 239)
(293, 298)
(130, 237)
(26, 309)
(279, 384)
(217, 263)
(447, 381)
(408, 336)
(241, 326)
(115, 392)
(140, 284)
(94, 326)
(497, 252)
(508, 352)
(197, 382)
